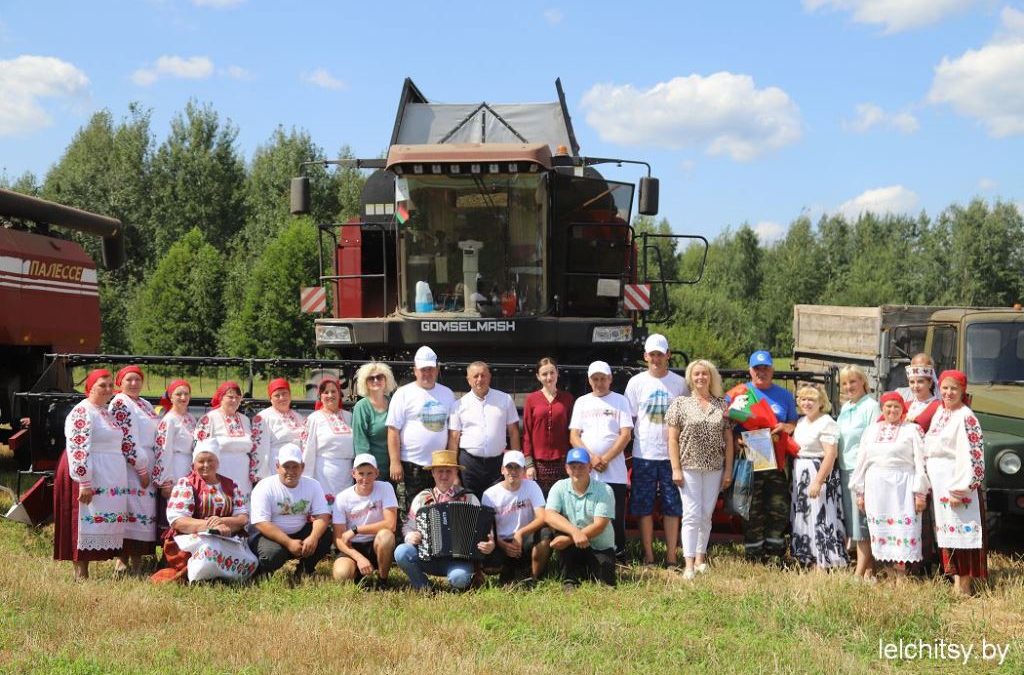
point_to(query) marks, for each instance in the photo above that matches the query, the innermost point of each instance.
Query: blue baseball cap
(760, 358)
(577, 456)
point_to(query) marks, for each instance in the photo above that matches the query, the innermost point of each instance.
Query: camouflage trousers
(769, 515)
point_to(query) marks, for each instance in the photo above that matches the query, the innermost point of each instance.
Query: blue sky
(749, 112)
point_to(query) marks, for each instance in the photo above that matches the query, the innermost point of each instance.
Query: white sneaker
(688, 574)
(702, 568)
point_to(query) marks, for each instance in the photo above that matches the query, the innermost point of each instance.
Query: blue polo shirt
(580, 509)
(781, 400)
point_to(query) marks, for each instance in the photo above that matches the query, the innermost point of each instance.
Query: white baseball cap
(289, 452)
(599, 367)
(656, 343)
(513, 457)
(425, 358)
(365, 458)
(210, 445)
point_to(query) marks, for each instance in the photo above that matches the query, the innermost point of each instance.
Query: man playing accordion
(444, 468)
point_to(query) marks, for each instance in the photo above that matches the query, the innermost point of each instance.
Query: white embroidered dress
(270, 430)
(890, 471)
(138, 421)
(95, 461)
(214, 556)
(955, 460)
(175, 436)
(238, 460)
(327, 450)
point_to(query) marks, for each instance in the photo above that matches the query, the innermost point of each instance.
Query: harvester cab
(485, 234)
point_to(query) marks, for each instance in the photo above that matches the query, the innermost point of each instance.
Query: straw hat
(440, 459)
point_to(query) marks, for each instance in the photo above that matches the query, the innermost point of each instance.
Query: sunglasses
(373, 378)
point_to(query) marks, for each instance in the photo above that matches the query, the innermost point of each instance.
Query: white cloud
(769, 232)
(895, 15)
(890, 199)
(25, 80)
(191, 68)
(725, 113)
(218, 4)
(988, 83)
(870, 116)
(986, 184)
(322, 78)
(553, 15)
(237, 73)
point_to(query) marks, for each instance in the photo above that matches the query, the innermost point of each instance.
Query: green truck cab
(986, 343)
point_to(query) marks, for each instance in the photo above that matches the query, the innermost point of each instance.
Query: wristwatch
(355, 529)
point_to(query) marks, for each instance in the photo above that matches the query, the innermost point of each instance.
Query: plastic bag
(217, 557)
(740, 493)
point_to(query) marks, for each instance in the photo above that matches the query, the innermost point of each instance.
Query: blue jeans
(459, 572)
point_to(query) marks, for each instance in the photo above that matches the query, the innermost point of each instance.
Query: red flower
(79, 423)
(972, 420)
(890, 521)
(952, 529)
(97, 519)
(78, 455)
(79, 470)
(79, 439)
(120, 519)
(201, 435)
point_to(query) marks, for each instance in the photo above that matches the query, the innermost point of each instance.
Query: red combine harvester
(50, 300)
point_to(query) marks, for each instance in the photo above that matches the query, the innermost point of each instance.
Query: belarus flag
(752, 410)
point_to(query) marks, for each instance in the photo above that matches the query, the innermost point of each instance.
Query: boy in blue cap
(580, 510)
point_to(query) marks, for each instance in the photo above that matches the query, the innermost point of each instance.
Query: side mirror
(300, 196)
(648, 196)
(113, 250)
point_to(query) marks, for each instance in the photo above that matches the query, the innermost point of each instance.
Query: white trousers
(699, 492)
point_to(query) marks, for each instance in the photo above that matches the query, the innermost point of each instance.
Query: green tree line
(215, 260)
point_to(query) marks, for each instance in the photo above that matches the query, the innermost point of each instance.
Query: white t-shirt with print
(599, 420)
(288, 508)
(649, 398)
(513, 510)
(421, 416)
(351, 509)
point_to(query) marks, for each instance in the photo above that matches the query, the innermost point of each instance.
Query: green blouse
(370, 434)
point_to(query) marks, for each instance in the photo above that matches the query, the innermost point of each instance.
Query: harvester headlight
(612, 334)
(334, 335)
(1009, 463)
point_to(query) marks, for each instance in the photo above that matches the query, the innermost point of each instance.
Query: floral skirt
(894, 524)
(819, 536)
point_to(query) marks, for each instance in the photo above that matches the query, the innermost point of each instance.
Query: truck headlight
(334, 335)
(612, 334)
(1009, 462)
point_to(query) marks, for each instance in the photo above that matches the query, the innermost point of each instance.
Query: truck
(486, 234)
(986, 343)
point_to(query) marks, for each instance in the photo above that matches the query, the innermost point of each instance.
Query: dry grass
(739, 618)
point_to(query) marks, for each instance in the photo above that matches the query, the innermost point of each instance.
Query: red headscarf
(893, 396)
(124, 371)
(93, 376)
(221, 390)
(165, 400)
(320, 390)
(961, 379)
(274, 385)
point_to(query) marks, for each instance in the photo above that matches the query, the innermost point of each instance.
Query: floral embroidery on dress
(977, 442)
(203, 429)
(337, 423)
(234, 425)
(887, 433)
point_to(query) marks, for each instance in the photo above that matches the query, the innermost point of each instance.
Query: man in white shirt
(365, 516)
(603, 425)
(417, 425)
(522, 542)
(649, 395)
(291, 517)
(477, 429)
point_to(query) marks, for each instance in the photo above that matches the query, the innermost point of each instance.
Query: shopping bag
(740, 494)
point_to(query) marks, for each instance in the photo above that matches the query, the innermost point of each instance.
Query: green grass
(739, 618)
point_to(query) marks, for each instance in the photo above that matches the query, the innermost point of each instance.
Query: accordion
(453, 530)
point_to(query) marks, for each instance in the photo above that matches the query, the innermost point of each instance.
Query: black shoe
(527, 584)
(570, 586)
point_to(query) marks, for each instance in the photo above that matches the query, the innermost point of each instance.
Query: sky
(749, 112)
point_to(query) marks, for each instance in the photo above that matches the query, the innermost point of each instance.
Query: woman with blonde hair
(700, 448)
(859, 411)
(819, 536)
(374, 384)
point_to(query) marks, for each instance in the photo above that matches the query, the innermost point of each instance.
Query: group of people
(231, 498)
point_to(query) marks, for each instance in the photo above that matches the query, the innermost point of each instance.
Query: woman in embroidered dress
(327, 444)
(138, 421)
(546, 415)
(891, 485)
(819, 536)
(91, 485)
(920, 395)
(208, 518)
(174, 441)
(955, 461)
(274, 426)
(374, 383)
(858, 412)
(238, 459)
